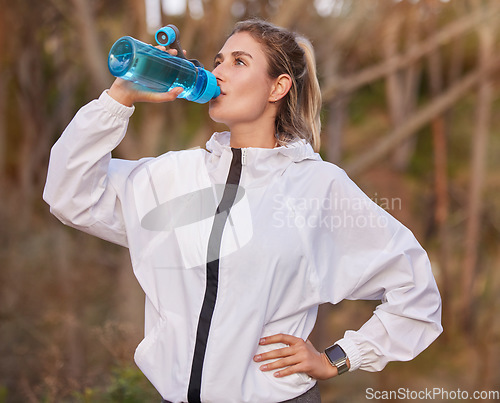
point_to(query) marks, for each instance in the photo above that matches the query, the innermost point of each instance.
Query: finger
(293, 369)
(172, 52)
(157, 97)
(284, 362)
(280, 338)
(278, 353)
(171, 94)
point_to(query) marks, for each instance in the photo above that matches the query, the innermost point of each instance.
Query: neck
(243, 137)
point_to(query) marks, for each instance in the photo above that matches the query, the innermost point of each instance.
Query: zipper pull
(243, 156)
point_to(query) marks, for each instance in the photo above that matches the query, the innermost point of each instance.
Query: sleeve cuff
(352, 353)
(114, 107)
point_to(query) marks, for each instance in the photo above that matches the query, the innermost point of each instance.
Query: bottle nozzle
(165, 36)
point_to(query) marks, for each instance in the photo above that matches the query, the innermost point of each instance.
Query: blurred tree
(402, 85)
(486, 60)
(391, 72)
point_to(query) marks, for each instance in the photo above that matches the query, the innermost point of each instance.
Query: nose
(218, 72)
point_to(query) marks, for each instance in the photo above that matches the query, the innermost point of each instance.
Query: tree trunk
(337, 116)
(451, 31)
(411, 80)
(401, 85)
(420, 119)
(394, 84)
(94, 55)
(3, 126)
(138, 19)
(438, 129)
(478, 172)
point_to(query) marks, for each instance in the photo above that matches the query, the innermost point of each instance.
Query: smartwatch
(337, 358)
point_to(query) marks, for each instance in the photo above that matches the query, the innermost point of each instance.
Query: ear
(280, 88)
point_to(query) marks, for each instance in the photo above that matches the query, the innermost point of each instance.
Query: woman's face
(241, 72)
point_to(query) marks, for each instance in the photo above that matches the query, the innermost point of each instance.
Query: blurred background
(410, 110)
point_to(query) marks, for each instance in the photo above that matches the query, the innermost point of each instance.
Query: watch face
(335, 353)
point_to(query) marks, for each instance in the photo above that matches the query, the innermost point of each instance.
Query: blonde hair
(298, 114)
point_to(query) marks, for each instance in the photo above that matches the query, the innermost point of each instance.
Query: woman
(237, 245)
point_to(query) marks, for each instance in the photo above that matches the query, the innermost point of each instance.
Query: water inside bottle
(152, 68)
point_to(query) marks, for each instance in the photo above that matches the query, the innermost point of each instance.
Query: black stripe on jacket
(212, 273)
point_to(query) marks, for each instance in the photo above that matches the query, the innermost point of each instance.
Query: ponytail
(298, 115)
(310, 101)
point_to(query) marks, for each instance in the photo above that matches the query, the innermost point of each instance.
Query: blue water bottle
(156, 70)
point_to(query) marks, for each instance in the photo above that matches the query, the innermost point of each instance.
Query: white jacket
(291, 232)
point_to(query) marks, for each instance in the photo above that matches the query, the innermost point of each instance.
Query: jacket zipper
(243, 156)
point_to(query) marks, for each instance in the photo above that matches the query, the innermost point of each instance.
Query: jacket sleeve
(79, 186)
(371, 256)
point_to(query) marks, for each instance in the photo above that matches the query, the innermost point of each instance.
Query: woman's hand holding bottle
(128, 93)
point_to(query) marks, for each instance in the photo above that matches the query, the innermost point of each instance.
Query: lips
(221, 95)
(218, 98)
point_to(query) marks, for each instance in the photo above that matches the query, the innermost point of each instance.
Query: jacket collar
(261, 165)
(297, 151)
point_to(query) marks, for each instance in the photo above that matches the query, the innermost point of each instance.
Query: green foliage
(127, 385)
(367, 100)
(3, 394)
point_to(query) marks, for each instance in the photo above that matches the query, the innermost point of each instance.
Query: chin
(216, 114)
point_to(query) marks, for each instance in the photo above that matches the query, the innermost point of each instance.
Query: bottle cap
(166, 36)
(211, 90)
